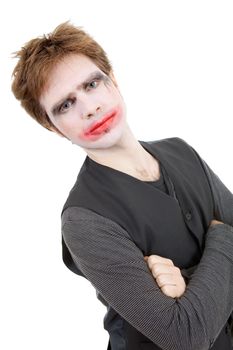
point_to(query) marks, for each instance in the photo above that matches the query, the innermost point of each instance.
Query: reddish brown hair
(38, 57)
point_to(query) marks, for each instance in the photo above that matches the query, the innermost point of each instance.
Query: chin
(108, 140)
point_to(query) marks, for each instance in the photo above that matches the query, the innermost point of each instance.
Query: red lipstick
(97, 129)
(102, 124)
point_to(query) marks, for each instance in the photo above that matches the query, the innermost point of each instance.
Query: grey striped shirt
(114, 265)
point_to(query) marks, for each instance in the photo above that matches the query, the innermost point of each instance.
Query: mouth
(99, 127)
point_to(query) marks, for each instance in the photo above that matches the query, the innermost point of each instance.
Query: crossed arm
(168, 277)
(114, 265)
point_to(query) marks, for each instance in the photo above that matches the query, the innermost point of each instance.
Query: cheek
(110, 91)
(67, 125)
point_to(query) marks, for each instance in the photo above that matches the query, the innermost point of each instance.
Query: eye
(93, 84)
(65, 106)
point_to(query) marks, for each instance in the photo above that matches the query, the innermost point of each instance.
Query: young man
(139, 212)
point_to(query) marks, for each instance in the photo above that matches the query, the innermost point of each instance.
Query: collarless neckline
(160, 179)
(122, 173)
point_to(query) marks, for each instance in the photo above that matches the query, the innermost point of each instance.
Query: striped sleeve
(114, 265)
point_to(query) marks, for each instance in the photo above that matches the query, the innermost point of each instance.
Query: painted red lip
(95, 126)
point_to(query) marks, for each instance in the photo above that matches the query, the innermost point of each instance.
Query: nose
(92, 113)
(89, 109)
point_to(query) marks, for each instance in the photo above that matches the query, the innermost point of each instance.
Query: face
(84, 103)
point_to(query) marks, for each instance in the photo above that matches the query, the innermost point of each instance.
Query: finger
(174, 290)
(158, 269)
(169, 279)
(215, 222)
(171, 291)
(160, 259)
(153, 259)
(165, 279)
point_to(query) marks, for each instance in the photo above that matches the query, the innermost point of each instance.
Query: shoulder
(82, 221)
(76, 213)
(175, 146)
(172, 141)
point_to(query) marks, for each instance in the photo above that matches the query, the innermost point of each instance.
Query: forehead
(72, 66)
(65, 76)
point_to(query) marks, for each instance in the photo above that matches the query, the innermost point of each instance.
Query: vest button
(188, 215)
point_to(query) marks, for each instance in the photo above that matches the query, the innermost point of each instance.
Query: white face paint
(78, 97)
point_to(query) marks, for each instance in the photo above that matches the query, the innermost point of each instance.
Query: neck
(128, 156)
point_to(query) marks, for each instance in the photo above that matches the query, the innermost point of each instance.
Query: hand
(167, 276)
(215, 222)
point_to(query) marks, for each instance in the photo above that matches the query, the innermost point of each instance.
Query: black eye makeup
(66, 105)
(90, 84)
(94, 82)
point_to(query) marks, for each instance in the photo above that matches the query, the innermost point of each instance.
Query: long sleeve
(223, 198)
(114, 265)
(223, 204)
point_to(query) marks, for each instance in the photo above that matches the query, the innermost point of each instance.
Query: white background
(173, 61)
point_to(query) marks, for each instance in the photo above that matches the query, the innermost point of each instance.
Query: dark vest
(151, 217)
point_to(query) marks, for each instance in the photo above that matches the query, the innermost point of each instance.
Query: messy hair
(37, 58)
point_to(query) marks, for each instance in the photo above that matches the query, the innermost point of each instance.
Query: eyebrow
(94, 75)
